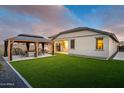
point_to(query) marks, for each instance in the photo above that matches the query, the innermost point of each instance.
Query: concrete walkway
(18, 58)
(8, 78)
(119, 56)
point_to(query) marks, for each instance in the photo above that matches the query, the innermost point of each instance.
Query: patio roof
(28, 38)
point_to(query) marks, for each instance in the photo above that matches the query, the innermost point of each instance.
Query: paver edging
(20, 76)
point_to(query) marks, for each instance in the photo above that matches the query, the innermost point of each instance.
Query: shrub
(18, 51)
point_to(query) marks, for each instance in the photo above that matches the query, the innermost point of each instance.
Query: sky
(46, 20)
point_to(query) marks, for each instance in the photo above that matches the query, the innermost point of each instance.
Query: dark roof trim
(28, 35)
(112, 35)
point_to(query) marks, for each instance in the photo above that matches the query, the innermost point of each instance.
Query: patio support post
(36, 48)
(43, 48)
(5, 48)
(52, 48)
(9, 51)
(11, 45)
(28, 47)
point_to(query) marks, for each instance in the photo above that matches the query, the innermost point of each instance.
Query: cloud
(108, 18)
(113, 19)
(58, 16)
(48, 20)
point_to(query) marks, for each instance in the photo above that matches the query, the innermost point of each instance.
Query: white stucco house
(87, 42)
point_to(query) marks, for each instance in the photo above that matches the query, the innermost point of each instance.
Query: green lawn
(69, 71)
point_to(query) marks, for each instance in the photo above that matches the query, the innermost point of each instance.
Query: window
(72, 44)
(99, 43)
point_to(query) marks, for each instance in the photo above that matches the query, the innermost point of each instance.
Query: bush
(18, 51)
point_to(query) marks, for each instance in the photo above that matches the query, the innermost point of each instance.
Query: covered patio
(61, 46)
(43, 47)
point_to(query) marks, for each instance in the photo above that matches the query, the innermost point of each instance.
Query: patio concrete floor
(119, 56)
(18, 58)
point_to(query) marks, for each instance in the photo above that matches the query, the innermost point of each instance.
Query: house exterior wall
(113, 47)
(85, 43)
(87, 46)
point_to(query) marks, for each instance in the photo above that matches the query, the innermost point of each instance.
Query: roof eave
(112, 35)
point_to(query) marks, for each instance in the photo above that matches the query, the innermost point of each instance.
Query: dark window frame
(72, 43)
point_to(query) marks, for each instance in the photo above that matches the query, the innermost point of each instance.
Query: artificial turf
(63, 71)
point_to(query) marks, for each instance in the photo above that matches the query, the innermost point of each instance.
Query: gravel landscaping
(8, 78)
